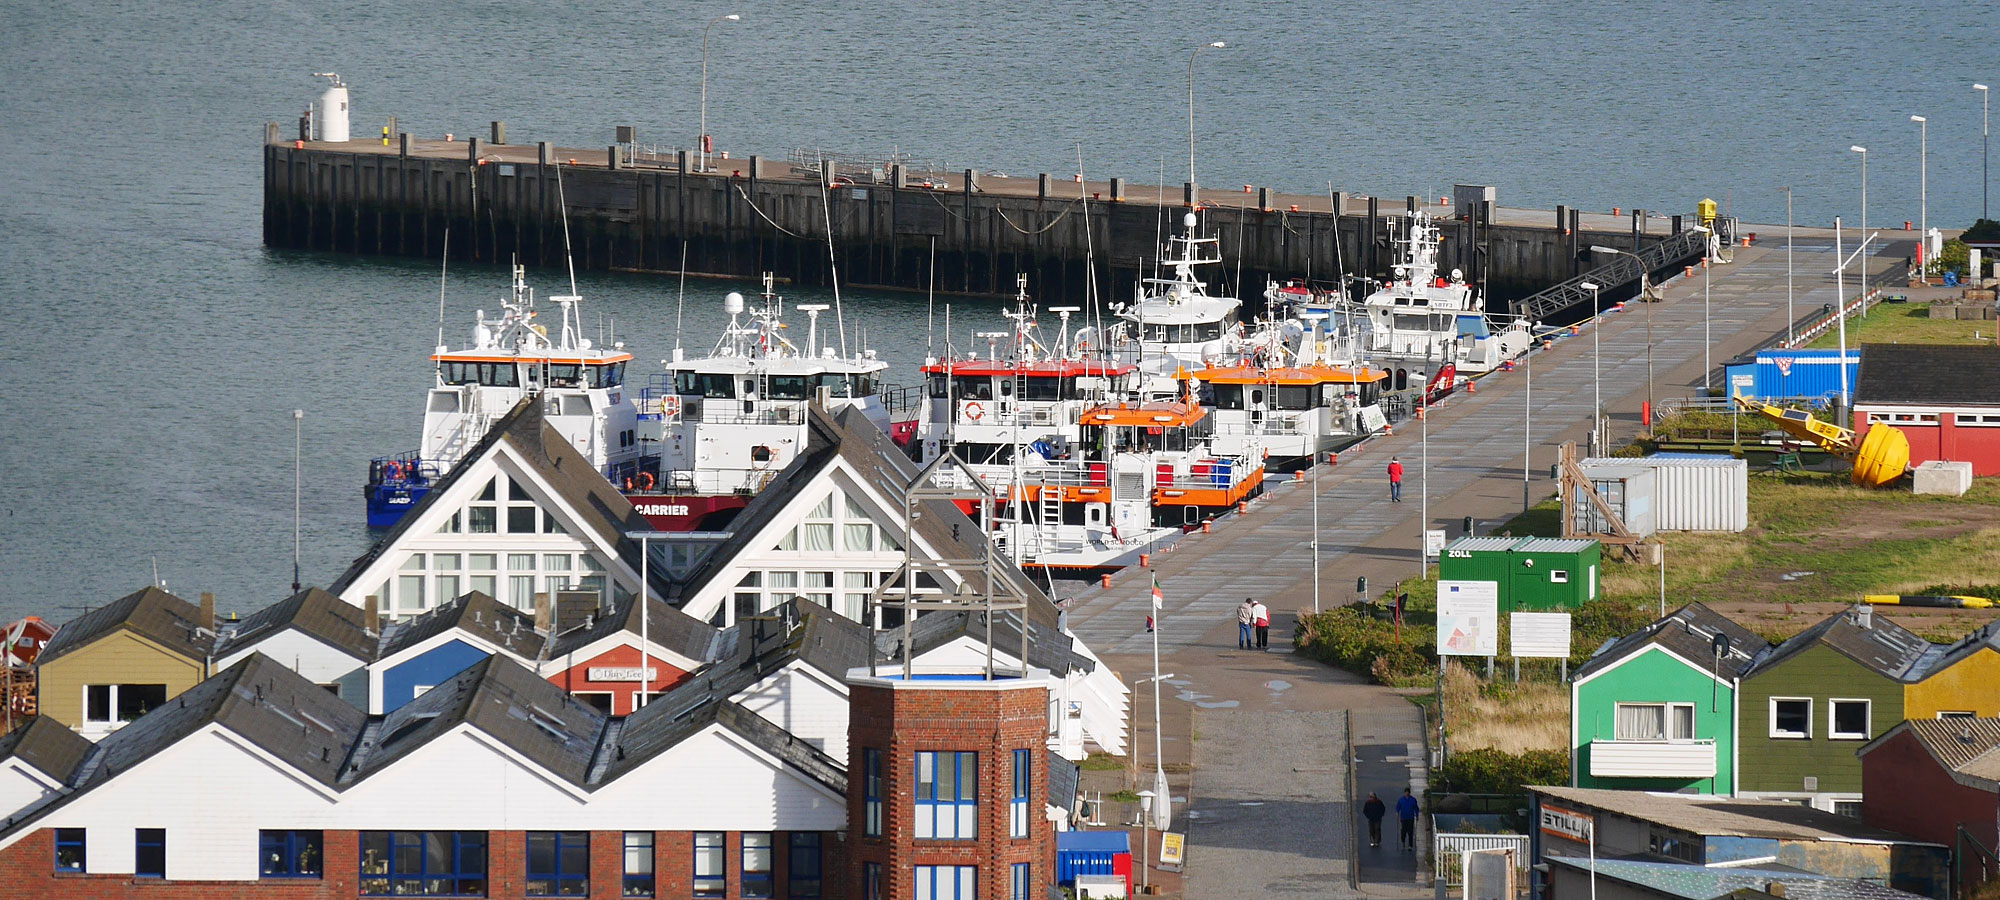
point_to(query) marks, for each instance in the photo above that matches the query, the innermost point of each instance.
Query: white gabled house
(314, 633)
(522, 514)
(36, 760)
(421, 653)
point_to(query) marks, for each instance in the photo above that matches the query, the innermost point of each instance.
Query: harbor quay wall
(484, 202)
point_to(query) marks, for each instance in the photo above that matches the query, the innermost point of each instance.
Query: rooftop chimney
(371, 614)
(1775, 889)
(544, 612)
(1864, 615)
(207, 616)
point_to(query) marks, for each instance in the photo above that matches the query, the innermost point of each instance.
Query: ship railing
(713, 481)
(1208, 474)
(1271, 423)
(714, 412)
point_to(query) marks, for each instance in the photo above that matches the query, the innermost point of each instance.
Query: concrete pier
(627, 211)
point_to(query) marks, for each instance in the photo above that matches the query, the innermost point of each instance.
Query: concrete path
(1252, 738)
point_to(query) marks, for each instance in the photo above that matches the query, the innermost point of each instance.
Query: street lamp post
(1984, 96)
(1528, 424)
(1923, 195)
(1191, 57)
(703, 146)
(1145, 842)
(1864, 205)
(1790, 334)
(1597, 437)
(298, 444)
(1599, 248)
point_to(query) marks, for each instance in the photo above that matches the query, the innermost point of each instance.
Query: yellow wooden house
(112, 664)
(1961, 682)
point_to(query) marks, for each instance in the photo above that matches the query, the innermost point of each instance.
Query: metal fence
(1449, 850)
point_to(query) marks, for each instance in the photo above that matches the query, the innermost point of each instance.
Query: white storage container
(1693, 492)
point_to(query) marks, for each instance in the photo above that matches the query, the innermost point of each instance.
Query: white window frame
(1833, 732)
(1957, 714)
(1786, 735)
(1666, 722)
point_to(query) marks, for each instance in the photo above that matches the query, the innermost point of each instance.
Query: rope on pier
(760, 212)
(1068, 208)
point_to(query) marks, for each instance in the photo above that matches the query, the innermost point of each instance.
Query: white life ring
(670, 405)
(974, 411)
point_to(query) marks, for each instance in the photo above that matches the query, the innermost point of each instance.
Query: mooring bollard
(1145, 559)
(1104, 581)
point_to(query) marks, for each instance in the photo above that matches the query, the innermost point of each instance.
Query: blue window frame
(558, 864)
(290, 854)
(1017, 885)
(711, 878)
(871, 881)
(149, 853)
(423, 863)
(1017, 805)
(871, 792)
(756, 871)
(638, 864)
(947, 795)
(70, 856)
(946, 883)
(803, 865)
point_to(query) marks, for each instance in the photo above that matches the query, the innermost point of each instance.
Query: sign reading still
(1468, 618)
(1565, 823)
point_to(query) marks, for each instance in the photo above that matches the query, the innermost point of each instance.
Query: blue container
(1812, 375)
(1220, 470)
(1089, 853)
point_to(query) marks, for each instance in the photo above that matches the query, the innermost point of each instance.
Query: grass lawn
(1907, 323)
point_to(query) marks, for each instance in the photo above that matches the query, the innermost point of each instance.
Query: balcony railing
(1652, 759)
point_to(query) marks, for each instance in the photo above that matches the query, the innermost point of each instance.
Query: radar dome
(732, 303)
(1188, 220)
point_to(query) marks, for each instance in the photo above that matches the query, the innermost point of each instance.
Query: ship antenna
(832, 264)
(680, 306)
(569, 255)
(1089, 252)
(930, 306)
(444, 265)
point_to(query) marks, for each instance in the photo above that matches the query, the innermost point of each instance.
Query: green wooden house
(1656, 709)
(1808, 705)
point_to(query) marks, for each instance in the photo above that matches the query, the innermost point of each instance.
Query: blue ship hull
(388, 502)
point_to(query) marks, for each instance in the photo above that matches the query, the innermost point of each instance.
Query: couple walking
(1253, 615)
(1406, 811)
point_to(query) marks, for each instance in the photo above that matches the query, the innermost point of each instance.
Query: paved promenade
(1263, 813)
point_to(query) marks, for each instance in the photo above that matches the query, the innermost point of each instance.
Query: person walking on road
(1374, 809)
(1246, 617)
(1395, 480)
(1406, 809)
(1261, 616)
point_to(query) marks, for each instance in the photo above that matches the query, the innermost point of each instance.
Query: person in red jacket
(1395, 480)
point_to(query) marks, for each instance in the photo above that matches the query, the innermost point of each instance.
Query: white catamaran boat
(1174, 325)
(1295, 391)
(730, 421)
(1421, 320)
(512, 357)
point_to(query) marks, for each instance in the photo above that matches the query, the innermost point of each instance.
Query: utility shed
(1712, 831)
(1946, 399)
(1690, 491)
(1632, 879)
(1529, 574)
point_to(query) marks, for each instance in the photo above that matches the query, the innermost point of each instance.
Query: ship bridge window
(1412, 322)
(1287, 396)
(565, 375)
(972, 387)
(444, 401)
(459, 373)
(934, 386)
(788, 387)
(1044, 388)
(836, 385)
(609, 375)
(709, 386)
(1228, 396)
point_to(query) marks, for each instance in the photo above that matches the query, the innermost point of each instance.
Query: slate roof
(1689, 632)
(1048, 647)
(605, 513)
(1692, 882)
(505, 700)
(476, 614)
(48, 745)
(1711, 815)
(1881, 645)
(1928, 374)
(149, 612)
(666, 626)
(1967, 749)
(312, 612)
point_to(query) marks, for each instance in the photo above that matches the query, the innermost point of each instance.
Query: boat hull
(388, 503)
(688, 512)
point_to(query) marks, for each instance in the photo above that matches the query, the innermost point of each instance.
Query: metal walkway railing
(1677, 248)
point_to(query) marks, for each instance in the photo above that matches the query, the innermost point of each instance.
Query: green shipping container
(1532, 574)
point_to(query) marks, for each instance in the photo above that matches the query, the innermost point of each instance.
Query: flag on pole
(1158, 598)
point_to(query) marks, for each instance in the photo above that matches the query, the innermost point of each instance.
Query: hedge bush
(1488, 771)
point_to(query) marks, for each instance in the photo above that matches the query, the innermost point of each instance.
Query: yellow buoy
(1883, 458)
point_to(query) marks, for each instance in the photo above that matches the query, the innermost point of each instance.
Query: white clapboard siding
(311, 657)
(806, 702)
(23, 786)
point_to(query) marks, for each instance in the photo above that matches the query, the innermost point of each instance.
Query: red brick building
(947, 775)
